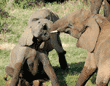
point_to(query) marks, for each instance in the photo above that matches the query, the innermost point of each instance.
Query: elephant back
(43, 14)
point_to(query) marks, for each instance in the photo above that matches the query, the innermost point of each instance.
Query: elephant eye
(35, 19)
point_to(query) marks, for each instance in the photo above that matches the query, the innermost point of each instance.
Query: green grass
(75, 57)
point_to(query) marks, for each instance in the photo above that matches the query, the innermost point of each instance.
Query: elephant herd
(29, 64)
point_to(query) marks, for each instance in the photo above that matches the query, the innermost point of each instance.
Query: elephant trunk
(60, 25)
(67, 23)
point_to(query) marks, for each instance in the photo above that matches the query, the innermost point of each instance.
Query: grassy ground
(17, 22)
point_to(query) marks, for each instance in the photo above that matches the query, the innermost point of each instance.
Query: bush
(26, 3)
(31, 3)
(3, 16)
(3, 13)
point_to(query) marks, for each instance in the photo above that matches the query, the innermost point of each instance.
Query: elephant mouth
(40, 42)
(45, 37)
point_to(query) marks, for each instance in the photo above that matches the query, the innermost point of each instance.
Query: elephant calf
(54, 42)
(93, 34)
(29, 56)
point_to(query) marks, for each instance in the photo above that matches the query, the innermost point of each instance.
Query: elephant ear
(89, 38)
(26, 38)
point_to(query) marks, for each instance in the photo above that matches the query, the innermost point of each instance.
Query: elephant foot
(23, 82)
(36, 83)
(9, 71)
(62, 61)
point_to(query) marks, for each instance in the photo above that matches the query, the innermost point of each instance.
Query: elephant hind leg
(9, 70)
(103, 76)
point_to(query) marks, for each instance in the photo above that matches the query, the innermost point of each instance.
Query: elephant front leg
(62, 61)
(95, 6)
(15, 78)
(56, 43)
(33, 65)
(48, 69)
(88, 70)
(84, 76)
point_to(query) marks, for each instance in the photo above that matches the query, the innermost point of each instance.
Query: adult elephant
(55, 42)
(30, 56)
(96, 5)
(93, 34)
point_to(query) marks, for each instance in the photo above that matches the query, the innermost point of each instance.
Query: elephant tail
(5, 78)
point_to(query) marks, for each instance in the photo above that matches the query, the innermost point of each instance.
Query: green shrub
(25, 3)
(3, 16)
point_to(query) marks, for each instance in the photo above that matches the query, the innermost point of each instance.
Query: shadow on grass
(93, 78)
(74, 69)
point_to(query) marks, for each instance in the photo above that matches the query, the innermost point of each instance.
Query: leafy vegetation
(17, 21)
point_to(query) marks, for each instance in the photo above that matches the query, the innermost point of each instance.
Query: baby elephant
(93, 34)
(54, 42)
(29, 55)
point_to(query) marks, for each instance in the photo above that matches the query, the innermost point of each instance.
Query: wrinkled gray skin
(55, 42)
(93, 34)
(26, 56)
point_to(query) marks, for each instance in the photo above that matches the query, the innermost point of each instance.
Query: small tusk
(55, 31)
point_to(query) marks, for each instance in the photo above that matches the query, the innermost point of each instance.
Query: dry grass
(8, 46)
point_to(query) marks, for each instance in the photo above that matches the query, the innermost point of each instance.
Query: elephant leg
(107, 9)
(62, 59)
(103, 75)
(88, 70)
(9, 70)
(95, 6)
(56, 43)
(36, 83)
(15, 78)
(33, 65)
(23, 82)
(48, 69)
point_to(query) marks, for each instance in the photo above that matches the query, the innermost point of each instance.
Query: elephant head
(43, 14)
(81, 25)
(37, 32)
